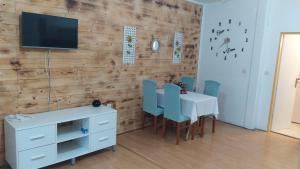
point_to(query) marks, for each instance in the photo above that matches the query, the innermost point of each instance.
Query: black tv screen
(44, 31)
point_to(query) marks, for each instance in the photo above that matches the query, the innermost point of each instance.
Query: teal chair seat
(159, 111)
(150, 102)
(172, 110)
(180, 118)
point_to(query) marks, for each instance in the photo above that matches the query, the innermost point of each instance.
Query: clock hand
(222, 44)
(220, 32)
(226, 42)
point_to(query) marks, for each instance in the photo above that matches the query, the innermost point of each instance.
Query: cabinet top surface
(59, 116)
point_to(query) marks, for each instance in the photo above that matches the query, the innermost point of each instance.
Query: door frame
(276, 77)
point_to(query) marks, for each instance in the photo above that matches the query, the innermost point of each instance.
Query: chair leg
(187, 124)
(193, 130)
(178, 125)
(199, 121)
(202, 126)
(214, 124)
(155, 123)
(143, 120)
(163, 134)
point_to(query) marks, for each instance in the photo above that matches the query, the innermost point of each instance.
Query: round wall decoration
(155, 45)
(228, 39)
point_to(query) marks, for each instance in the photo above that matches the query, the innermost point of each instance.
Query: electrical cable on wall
(48, 71)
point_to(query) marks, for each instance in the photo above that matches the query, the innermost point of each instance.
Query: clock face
(228, 40)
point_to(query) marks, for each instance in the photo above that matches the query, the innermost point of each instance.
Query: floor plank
(230, 147)
(106, 159)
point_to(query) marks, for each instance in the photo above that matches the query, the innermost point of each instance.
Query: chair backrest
(172, 106)
(149, 96)
(211, 88)
(189, 82)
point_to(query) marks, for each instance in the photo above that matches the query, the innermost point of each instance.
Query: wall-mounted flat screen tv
(44, 31)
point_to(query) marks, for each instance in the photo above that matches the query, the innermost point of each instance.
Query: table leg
(191, 127)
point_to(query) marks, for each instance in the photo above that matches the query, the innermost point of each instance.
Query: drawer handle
(103, 139)
(38, 157)
(37, 137)
(103, 123)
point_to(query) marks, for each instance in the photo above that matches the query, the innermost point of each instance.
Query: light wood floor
(292, 131)
(229, 148)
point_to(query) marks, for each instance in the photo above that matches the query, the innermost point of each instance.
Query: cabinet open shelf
(69, 133)
(71, 130)
(72, 148)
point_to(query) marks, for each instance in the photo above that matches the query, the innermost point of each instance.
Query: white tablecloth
(193, 104)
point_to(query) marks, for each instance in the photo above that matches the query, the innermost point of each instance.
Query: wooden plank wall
(96, 69)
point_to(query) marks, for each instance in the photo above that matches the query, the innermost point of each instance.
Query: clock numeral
(210, 39)
(235, 55)
(230, 21)
(211, 48)
(242, 49)
(246, 30)
(212, 31)
(220, 24)
(247, 40)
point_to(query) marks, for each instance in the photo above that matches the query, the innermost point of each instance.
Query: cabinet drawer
(103, 139)
(35, 137)
(103, 122)
(37, 157)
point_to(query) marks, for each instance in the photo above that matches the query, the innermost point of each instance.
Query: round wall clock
(228, 39)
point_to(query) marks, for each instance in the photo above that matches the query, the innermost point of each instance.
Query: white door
(232, 69)
(296, 115)
(286, 90)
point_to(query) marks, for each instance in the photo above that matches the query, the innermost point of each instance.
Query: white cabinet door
(35, 137)
(37, 157)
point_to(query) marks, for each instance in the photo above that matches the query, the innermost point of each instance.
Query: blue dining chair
(150, 102)
(172, 110)
(211, 88)
(189, 82)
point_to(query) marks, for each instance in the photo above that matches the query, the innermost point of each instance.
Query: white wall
(233, 74)
(272, 18)
(282, 16)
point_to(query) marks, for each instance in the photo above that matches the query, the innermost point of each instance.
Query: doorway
(285, 107)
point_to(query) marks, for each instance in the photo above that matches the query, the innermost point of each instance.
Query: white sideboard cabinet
(39, 140)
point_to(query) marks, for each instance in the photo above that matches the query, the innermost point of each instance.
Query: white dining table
(193, 105)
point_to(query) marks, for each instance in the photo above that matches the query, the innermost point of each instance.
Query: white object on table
(193, 105)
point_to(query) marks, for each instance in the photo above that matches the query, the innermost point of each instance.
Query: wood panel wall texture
(96, 69)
